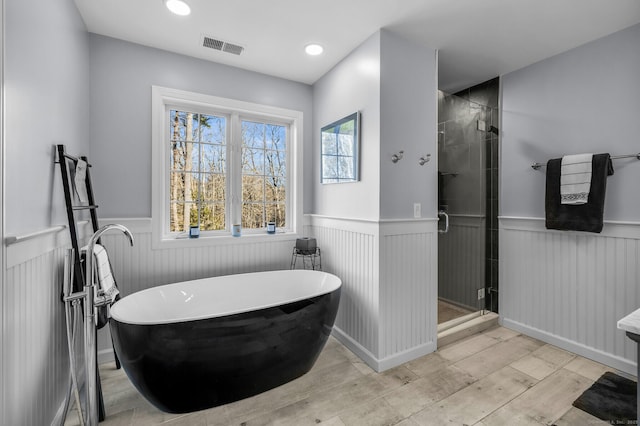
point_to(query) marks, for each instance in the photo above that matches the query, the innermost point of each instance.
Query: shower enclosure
(467, 197)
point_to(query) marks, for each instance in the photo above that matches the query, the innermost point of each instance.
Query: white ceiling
(477, 39)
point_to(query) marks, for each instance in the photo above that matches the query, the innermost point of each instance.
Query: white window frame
(163, 99)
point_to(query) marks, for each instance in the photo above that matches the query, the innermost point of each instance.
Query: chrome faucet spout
(96, 236)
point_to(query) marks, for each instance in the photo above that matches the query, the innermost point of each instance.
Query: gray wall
(46, 82)
(47, 102)
(583, 100)
(122, 74)
(408, 122)
(570, 288)
(352, 85)
(392, 82)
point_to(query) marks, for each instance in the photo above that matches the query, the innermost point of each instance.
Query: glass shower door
(462, 197)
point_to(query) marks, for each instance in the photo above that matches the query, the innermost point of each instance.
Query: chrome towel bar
(536, 166)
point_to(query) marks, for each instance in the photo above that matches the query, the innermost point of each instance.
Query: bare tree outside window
(200, 171)
(263, 174)
(198, 167)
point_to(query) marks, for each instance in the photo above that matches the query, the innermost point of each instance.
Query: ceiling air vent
(223, 46)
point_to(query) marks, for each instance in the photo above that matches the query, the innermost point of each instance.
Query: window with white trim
(219, 162)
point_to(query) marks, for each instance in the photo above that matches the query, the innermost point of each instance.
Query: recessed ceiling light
(313, 49)
(179, 7)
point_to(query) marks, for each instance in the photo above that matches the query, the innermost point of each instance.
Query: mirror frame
(332, 128)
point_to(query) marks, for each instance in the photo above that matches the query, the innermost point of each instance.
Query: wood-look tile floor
(498, 377)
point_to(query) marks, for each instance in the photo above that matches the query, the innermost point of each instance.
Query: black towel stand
(67, 165)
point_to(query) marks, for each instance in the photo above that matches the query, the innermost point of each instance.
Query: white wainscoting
(35, 359)
(388, 309)
(387, 315)
(141, 267)
(350, 250)
(461, 264)
(408, 291)
(571, 288)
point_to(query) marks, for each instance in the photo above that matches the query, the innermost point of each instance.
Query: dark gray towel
(582, 217)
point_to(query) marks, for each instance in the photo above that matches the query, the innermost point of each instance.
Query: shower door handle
(442, 213)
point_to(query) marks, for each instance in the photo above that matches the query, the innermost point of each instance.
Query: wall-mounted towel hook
(424, 159)
(397, 157)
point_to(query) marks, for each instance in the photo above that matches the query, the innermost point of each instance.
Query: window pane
(213, 158)
(192, 210)
(214, 188)
(264, 172)
(178, 212)
(253, 161)
(212, 217)
(345, 165)
(185, 156)
(191, 186)
(184, 126)
(176, 186)
(276, 137)
(329, 166)
(253, 134)
(275, 162)
(253, 216)
(345, 145)
(275, 190)
(183, 186)
(197, 182)
(177, 122)
(180, 153)
(270, 211)
(213, 129)
(176, 156)
(329, 143)
(252, 189)
(281, 208)
(276, 213)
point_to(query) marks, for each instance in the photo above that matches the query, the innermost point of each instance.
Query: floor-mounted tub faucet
(91, 302)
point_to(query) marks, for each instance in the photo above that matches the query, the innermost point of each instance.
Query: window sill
(219, 240)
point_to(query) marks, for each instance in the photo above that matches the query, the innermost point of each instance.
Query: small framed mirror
(340, 150)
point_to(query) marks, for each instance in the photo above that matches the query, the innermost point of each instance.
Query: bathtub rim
(115, 314)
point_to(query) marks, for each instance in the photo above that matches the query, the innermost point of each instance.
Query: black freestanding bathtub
(202, 343)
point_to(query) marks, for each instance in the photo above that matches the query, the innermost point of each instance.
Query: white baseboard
(406, 356)
(608, 359)
(387, 363)
(355, 347)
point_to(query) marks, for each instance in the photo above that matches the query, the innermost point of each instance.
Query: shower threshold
(457, 321)
(465, 326)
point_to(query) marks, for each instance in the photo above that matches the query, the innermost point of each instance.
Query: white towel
(79, 181)
(575, 178)
(106, 282)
